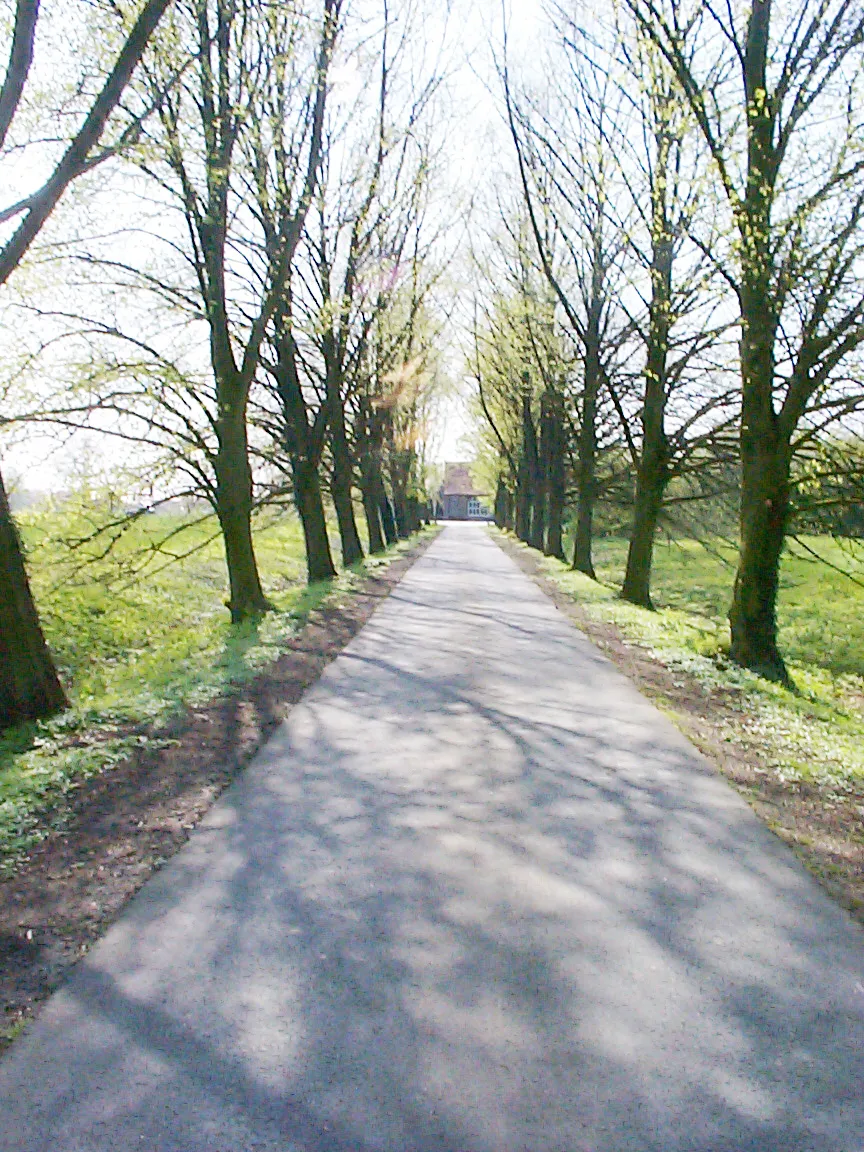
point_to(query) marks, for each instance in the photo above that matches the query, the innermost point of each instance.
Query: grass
(137, 639)
(814, 734)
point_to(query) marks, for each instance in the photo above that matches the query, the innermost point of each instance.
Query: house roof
(458, 482)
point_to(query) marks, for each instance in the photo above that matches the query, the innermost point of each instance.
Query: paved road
(475, 896)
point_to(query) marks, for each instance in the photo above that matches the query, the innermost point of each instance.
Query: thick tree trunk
(29, 686)
(388, 518)
(552, 454)
(412, 507)
(765, 463)
(765, 449)
(372, 510)
(587, 446)
(526, 470)
(502, 500)
(536, 477)
(650, 485)
(371, 487)
(652, 475)
(400, 513)
(310, 506)
(234, 510)
(522, 510)
(341, 485)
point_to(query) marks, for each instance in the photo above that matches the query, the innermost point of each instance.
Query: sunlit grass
(137, 644)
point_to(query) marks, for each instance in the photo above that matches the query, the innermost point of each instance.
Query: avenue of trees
(256, 324)
(234, 256)
(677, 315)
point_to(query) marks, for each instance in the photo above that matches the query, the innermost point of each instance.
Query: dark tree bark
(502, 503)
(650, 485)
(310, 507)
(765, 455)
(234, 502)
(586, 476)
(29, 686)
(388, 518)
(553, 454)
(764, 515)
(522, 502)
(375, 502)
(526, 469)
(400, 512)
(653, 471)
(341, 485)
(372, 510)
(302, 439)
(369, 438)
(536, 477)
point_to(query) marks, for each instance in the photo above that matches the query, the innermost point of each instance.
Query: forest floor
(91, 804)
(796, 756)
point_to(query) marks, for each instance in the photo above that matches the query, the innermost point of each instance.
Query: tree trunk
(765, 462)
(310, 506)
(587, 445)
(372, 510)
(552, 455)
(341, 485)
(522, 510)
(652, 475)
(502, 499)
(400, 513)
(234, 510)
(412, 505)
(29, 686)
(369, 435)
(525, 469)
(388, 518)
(765, 450)
(536, 479)
(650, 485)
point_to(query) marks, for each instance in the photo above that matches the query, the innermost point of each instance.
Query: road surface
(476, 895)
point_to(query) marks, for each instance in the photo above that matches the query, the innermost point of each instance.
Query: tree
(567, 165)
(663, 169)
(524, 375)
(29, 685)
(243, 70)
(776, 96)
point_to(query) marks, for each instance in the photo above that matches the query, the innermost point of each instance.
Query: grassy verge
(798, 756)
(138, 645)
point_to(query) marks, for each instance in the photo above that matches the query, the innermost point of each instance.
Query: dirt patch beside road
(122, 825)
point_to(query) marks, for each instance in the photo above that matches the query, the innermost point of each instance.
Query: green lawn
(136, 637)
(815, 733)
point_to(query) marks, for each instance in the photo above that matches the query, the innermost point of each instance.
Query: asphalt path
(476, 895)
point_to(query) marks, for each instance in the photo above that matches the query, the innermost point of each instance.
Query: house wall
(455, 507)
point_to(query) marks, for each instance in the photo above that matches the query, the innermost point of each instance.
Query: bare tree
(776, 95)
(567, 169)
(684, 400)
(242, 51)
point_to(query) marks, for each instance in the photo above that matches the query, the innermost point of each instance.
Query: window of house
(474, 506)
